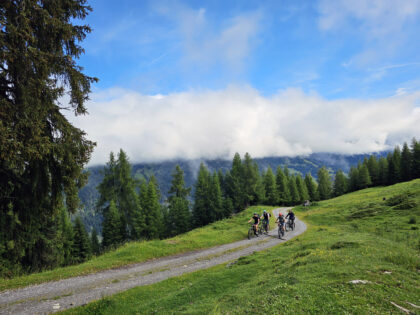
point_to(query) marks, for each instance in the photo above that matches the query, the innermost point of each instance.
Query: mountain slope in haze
(163, 173)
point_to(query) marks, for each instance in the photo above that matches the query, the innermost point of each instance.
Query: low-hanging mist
(216, 124)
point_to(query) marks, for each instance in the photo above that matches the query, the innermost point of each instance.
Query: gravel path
(59, 295)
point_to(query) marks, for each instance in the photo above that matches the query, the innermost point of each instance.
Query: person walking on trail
(266, 219)
(256, 219)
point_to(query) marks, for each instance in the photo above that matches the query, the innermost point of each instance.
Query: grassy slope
(221, 232)
(356, 236)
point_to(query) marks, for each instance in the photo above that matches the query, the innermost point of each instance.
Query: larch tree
(294, 192)
(270, 187)
(302, 190)
(340, 184)
(324, 183)
(311, 187)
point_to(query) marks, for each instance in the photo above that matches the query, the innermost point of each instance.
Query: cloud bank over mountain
(216, 124)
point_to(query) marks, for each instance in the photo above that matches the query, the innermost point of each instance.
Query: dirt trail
(59, 295)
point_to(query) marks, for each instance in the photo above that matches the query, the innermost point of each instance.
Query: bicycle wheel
(250, 233)
(293, 225)
(279, 232)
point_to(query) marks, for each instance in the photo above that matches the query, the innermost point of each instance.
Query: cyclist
(281, 221)
(266, 219)
(291, 217)
(256, 219)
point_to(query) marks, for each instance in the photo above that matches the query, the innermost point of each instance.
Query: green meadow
(358, 236)
(217, 233)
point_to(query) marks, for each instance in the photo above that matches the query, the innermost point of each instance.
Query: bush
(412, 220)
(402, 201)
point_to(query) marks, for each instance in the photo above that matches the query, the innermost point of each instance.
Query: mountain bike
(281, 230)
(263, 228)
(290, 225)
(251, 231)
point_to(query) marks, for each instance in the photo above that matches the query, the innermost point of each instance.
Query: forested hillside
(162, 171)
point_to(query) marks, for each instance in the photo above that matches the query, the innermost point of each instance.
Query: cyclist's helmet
(255, 213)
(264, 211)
(280, 214)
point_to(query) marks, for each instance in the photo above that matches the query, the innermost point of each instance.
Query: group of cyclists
(281, 220)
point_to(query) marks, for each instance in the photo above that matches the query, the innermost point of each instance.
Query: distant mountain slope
(163, 170)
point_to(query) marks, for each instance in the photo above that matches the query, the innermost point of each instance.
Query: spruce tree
(67, 237)
(311, 187)
(42, 154)
(383, 171)
(153, 214)
(406, 161)
(201, 212)
(396, 157)
(215, 198)
(119, 185)
(302, 190)
(179, 217)
(354, 179)
(94, 241)
(373, 167)
(340, 183)
(393, 174)
(415, 153)
(127, 199)
(270, 187)
(81, 246)
(236, 184)
(111, 226)
(324, 183)
(364, 176)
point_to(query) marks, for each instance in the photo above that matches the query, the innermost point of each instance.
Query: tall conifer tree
(303, 191)
(364, 176)
(415, 152)
(270, 187)
(311, 187)
(42, 154)
(179, 212)
(324, 184)
(201, 211)
(383, 171)
(81, 245)
(283, 193)
(373, 168)
(294, 193)
(340, 183)
(406, 162)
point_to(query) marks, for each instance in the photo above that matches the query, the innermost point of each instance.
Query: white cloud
(374, 17)
(215, 124)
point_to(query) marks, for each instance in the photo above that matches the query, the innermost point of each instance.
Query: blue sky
(336, 50)
(193, 79)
